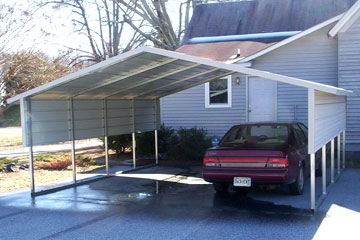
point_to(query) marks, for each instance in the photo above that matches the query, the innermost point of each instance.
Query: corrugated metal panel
(187, 109)
(329, 118)
(314, 58)
(51, 119)
(349, 77)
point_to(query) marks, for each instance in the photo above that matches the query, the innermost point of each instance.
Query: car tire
(221, 187)
(297, 187)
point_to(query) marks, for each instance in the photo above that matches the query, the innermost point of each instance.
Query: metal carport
(121, 95)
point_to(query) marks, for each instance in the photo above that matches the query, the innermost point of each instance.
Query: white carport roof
(121, 95)
(151, 73)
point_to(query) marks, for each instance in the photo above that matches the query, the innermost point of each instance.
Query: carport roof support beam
(178, 81)
(154, 79)
(194, 84)
(146, 68)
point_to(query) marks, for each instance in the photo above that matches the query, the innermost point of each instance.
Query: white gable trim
(292, 39)
(347, 20)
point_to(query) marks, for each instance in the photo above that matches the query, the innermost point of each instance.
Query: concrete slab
(166, 203)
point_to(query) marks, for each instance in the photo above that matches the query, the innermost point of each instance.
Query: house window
(218, 93)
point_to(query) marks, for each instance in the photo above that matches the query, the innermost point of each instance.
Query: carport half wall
(121, 96)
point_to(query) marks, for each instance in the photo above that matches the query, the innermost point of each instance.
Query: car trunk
(246, 158)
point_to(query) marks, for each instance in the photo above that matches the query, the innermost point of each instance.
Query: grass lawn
(10, 138)
(21, 179)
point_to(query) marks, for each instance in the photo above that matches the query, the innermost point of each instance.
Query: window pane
(257, 137)
(218, 91)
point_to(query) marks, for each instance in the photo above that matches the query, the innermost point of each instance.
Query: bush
(61, 162)
(145, 142)
(190, 145)
(119, 143)
(184, 144)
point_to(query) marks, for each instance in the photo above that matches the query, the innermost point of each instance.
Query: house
(315, 40)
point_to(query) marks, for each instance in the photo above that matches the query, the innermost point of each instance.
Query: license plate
(242, 182)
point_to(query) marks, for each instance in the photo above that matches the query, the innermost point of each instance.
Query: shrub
(145, 142)
(61, 162)
(184, 144)
(191, 144)
(119, 143)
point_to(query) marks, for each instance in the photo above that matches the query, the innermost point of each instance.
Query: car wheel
(297, 187)
(221, 187)
(242, 191)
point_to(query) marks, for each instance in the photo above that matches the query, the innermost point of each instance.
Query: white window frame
(218, 105)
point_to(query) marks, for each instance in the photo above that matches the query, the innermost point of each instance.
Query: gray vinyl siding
(187, 109)
(314, 58)
(349, 78)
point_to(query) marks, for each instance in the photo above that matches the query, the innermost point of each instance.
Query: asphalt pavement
(175, 203)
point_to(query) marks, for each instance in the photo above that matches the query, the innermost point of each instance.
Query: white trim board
(347, 20)
(291, 39)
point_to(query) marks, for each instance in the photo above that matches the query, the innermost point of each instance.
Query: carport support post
(134, 149)
(106, 137)
(133, 133)
(155, 131)
(338, 154)
(156, 147)
(332, 159)
(343, 149)
(73, 140)
(324, 170)
(312, 181)
(30, 143)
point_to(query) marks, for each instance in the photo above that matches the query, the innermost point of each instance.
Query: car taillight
(211, 162)
(277, 163)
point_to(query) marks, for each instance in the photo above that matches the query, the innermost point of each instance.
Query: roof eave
(292, 39)
(347, 20)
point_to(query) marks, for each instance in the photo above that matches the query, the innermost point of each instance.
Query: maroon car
(259, 153)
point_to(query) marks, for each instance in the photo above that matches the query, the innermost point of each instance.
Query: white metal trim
(291, 39)
(347, 20)
(229, 95)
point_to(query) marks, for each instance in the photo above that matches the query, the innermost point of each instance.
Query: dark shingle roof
(258, 16)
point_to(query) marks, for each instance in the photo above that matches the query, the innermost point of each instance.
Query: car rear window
(256, 136)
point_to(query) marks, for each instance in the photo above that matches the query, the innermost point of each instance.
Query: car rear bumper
(261, 176)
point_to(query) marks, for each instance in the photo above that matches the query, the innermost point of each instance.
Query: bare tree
(14, 26)
(103, 24)
(157, 26)
(25, 70)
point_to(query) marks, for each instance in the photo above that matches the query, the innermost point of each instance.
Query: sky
(52, 30)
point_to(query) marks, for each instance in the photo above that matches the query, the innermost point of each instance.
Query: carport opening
(121, 96)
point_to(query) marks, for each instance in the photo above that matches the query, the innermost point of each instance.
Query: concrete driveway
(174, 203)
